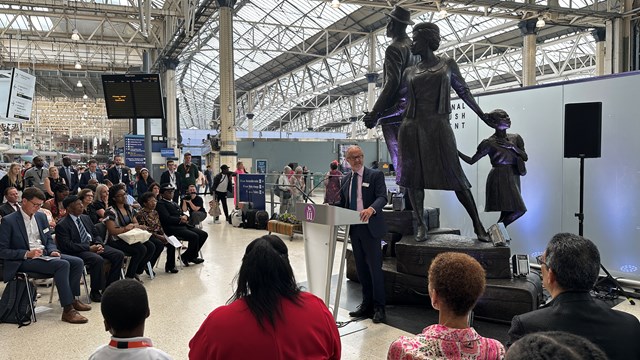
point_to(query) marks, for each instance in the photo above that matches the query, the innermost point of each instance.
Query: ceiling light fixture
(78, 66)
(442, 14)
(540, 23)
(85, 97)
(79, 84)
(335, 4)
(75, 36)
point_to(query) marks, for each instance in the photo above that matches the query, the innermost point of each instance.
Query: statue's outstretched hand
(370, 120)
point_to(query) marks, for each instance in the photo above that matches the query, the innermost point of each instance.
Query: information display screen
(133, 96)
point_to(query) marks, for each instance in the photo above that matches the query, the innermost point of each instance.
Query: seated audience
(144, 181)
(149, 217)
(268, 316)
(570, 266)
(51, 181)
(125, 307)
(20, 249)
(554, 345)
(155, 189)
(60, 191)
(12, 178)
(12, 196)
(120, 219)
(174, 222)
(76, 235)
(456, 281)
(194, 204)
(97, 209)
(86, 198)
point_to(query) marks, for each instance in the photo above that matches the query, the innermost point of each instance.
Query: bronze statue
(507, 155)
(387, 111)
(428, 152)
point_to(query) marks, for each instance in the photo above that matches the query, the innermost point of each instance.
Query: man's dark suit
(86, 176)
(73, 175)
(165, 178)
(114, 176)
(69, 241)
(366, 238)
(615, 332)
(169, 213)
(14, 244)
(6, 209)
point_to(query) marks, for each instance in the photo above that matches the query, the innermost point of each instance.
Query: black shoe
(379, 315)
(171, 271)
(364, 311)
(197, 260)
(185, 262)
(95, 296)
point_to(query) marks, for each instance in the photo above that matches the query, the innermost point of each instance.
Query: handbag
(214, 208)
(135, 236)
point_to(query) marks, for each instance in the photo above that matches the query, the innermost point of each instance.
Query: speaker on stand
(583, 140)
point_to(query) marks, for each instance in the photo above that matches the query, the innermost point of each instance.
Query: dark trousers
(171, 257)
(95, 263)
(390, 128)
(194, 236)
(222, 196)
(66, 271)
(140, 253)
(368, 256)
(158, 246)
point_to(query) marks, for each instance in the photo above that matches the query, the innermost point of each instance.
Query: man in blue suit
(364, 190)
(26, 246)
(76, 235)
(91, 173)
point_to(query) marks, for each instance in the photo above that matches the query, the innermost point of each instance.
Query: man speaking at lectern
(364, 190)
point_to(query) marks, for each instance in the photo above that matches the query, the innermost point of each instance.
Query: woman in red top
(268, 317)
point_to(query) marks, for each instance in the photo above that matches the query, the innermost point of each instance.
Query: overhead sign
(134, 151)
(168, 152)
(251, 188)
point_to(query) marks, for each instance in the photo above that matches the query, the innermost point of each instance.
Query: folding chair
(29, 277)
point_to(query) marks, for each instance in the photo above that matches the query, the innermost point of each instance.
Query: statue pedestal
(414, 258)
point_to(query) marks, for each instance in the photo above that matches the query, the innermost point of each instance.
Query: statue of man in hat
(388, 109)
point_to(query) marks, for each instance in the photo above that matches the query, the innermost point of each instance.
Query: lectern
(320, 230)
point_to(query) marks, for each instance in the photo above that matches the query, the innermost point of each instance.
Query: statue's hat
(401, 15)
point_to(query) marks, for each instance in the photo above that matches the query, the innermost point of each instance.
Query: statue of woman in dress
(428, 151)
(507, 155)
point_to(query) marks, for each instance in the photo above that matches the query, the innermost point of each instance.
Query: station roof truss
(299, 65)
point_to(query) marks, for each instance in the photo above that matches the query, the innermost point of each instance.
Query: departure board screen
(133, 96)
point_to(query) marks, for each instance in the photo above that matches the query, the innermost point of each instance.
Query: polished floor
(179, 303)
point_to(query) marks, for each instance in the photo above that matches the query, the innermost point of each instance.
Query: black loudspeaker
(582, 130)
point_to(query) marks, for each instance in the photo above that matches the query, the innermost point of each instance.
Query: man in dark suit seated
(26, 246)
(91, 173)
(570, 267)
(76, 235)
(12, 196)
(364, 190)
(174, 222)
(70, 174)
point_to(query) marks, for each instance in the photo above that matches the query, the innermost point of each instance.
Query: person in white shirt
(221, 185)
(125, 308)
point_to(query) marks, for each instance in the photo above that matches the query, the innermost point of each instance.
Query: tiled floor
(179, 303)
